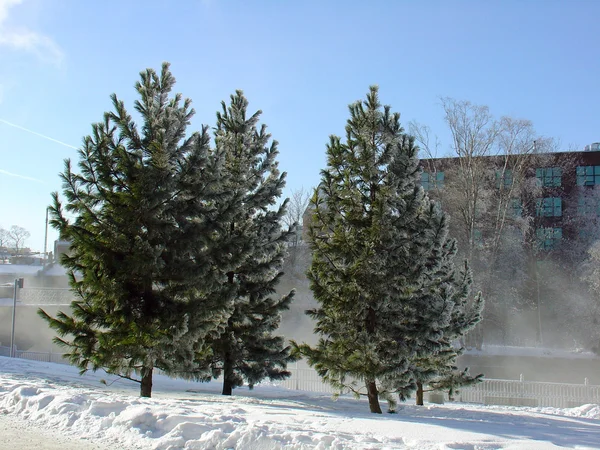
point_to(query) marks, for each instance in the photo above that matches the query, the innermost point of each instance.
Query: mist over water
(295, 323)
(562, 356)
(32, 333)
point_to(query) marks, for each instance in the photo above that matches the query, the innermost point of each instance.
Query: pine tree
(438, 369)
(247, 349)
(377, 241)
(145, 208)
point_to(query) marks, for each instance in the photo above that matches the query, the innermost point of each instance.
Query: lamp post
(46, 240)
(18, 284)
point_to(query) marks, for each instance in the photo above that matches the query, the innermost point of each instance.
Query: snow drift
(187, 415)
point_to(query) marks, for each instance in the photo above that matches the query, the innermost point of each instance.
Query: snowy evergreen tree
(439, 370)
(142, 216)
(377, 242)
(247, 349)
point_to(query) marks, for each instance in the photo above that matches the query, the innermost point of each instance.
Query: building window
(549, 176)
(515, 207)
(432, 181)
(588, 175)
(588, 206)
(548, 207)
(548, 238)
(504, 179)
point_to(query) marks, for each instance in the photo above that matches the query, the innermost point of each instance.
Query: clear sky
(300, 62)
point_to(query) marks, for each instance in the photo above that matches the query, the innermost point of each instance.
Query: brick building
(563, 200)
(525, 222)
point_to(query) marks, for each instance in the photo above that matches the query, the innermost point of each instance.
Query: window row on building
(588, 175)
(553, 207)
(547, 238)
(547, 177)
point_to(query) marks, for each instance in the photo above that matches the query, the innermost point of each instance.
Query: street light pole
(18, 284)
(46, 240)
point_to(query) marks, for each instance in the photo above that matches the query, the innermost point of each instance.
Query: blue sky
(300, 62)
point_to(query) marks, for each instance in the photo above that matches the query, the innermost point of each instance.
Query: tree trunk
(373, 396)
(146, 383)
(372, 392)
(419, 393)
(539, 335)
(227, 375)
(227, 387)
(227, 360)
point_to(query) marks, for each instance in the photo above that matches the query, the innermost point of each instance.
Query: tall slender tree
(145, 238)
(439, 369)
(247, 349)
(377, 242)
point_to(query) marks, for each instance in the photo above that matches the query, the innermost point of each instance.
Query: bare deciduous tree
(17, 237)
(295, 264)
(474, 134)
(491, 191)
(295, 211)
(3, 244)
(3, 238)
(428, 145)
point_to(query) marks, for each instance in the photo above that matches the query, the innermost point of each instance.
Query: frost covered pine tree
(377, 241)
(141, 216)
(248, 349)
(447, 286)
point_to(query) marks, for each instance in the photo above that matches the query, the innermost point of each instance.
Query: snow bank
(586, 411)
(185, 415)
(129, 422)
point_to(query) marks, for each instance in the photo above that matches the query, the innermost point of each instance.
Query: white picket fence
(52, 357)
(530, 393)
(38, 296)
(488, 392)
(305, 379)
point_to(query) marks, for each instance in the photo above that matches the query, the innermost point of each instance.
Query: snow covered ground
(55, 402)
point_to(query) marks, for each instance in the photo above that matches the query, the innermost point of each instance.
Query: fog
(560, 353)
(32, 333)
